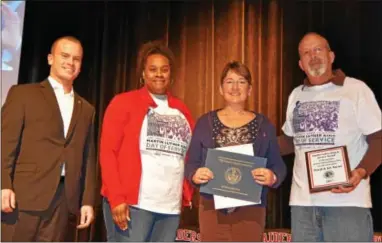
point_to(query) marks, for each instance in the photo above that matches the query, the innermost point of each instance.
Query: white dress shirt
(66, 103)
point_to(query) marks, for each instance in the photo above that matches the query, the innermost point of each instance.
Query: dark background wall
(204, 35)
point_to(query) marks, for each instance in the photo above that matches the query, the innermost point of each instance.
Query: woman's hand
(121, 214)
(202, 175)
(264, 176)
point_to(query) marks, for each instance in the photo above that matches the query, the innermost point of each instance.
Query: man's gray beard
(316, 72)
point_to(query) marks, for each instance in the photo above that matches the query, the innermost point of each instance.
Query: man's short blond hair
(68, 37)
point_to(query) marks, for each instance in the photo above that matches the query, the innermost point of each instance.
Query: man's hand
(87, 217)
(8, 200)
(121, 214)
(356, 176)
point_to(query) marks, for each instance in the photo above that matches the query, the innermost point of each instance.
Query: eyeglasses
(231, 82)
(314, 51)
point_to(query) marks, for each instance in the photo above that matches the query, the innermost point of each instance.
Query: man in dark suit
(48, 161)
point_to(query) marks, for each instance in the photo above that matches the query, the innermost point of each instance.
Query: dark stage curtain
(205, 35)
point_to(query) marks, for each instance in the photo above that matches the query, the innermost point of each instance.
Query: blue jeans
(109, 223)
(143, 226)
(312, 224)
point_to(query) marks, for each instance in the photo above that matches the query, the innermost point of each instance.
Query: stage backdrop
(12, 20)
(204, 36)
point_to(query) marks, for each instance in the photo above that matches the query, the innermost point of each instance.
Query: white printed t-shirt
(325, 116)
(165, 137)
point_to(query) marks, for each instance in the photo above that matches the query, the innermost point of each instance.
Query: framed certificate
(327, 168)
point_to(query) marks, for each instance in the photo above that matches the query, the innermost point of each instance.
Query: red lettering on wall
(270, 236)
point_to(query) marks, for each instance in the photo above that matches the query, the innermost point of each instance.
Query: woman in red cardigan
(144, 140)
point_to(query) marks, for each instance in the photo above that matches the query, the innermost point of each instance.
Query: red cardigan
(120, 156)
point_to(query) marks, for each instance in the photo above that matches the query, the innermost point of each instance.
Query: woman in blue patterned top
(234, 125)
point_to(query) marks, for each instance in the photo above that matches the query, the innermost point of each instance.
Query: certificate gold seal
(232, 175)
(328, 175)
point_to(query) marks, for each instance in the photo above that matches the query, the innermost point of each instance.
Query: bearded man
(331, 111)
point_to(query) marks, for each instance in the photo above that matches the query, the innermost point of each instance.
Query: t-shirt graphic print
(169, 134)
(315, 122)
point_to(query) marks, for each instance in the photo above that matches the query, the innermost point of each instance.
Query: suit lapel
(77, 108)
(51, 99)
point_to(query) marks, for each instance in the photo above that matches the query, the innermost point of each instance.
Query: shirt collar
(149, 99)
(57, 86)
(338, 78)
